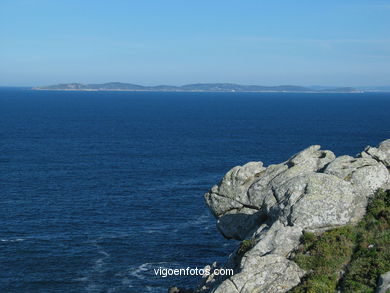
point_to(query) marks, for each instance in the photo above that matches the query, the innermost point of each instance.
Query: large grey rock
(380, 153)
(269, 240)
(314, 201)
(312, 158)
(268, 274)
(230, 203)
(383, 285)
(239, 223)
(311, 189)
(242, 200)
(231, 193)
(365, 174)
(273, 243)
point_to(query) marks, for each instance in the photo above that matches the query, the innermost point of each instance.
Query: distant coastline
(198, 87)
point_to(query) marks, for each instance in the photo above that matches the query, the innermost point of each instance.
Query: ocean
(98, 189)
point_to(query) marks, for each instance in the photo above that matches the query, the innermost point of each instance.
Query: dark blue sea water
(99, 188)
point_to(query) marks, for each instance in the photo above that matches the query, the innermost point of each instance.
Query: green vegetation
(372, 253)
(323, 257)
(362, 251)
(245, 246)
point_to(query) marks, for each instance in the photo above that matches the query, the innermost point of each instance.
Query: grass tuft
(245, 246)
(349, 258)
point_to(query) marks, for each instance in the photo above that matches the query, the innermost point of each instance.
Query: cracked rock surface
(312, 191)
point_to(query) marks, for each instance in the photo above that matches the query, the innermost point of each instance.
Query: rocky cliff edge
(270, 207)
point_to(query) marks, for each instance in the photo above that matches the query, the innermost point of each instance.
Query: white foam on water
(150, 289)
(146, 270)
(100, 263)
(82, 279)
(98, 267)
(12, 240)
(94, 288)
(138, 275)
(138, 271)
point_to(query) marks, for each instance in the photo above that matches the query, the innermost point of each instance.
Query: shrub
(363, 251)
(245, 246)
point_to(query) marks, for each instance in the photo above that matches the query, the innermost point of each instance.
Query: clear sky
(333, 42)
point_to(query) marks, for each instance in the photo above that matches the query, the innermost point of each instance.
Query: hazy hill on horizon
(196, 87)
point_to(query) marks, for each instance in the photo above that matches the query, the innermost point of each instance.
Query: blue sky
(149, 42)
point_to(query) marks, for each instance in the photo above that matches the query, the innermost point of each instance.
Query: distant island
(197, 87)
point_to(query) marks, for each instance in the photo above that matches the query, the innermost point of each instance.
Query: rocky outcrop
(380, 153)
(270, 273)
(271, 206)
(383, 283)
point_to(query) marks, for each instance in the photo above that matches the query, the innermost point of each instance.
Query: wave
(140, 271)
(12, 240)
